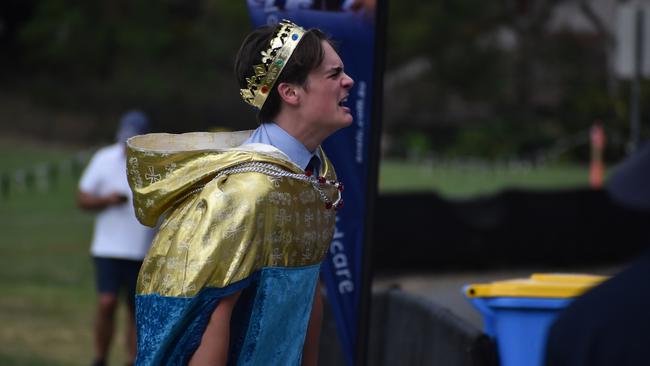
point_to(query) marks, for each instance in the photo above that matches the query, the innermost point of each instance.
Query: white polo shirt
(117, 234)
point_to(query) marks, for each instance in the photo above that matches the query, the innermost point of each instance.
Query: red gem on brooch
(328, 205)
(340, 187)
(339, 205)
(308, 172)
(264, 89)
(321, 180)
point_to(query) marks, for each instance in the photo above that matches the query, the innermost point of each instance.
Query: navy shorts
(113, 275)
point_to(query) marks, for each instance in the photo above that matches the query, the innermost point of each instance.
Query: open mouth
(343, 101)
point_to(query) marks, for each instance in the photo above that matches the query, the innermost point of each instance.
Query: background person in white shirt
(119, 242)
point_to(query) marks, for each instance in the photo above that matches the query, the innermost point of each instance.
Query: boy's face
(325, 92)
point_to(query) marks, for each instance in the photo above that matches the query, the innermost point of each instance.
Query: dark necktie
(313, 166)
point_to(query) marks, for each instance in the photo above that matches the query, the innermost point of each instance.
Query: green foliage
(493, 98)
(484, 140)
(67, 36)
(453, 35)
(89, 37)
(175, 58)
(417, 145)
(172, 58)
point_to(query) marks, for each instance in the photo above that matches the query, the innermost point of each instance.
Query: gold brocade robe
(216, 230)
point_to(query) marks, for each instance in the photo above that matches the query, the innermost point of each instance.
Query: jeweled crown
(281, 47)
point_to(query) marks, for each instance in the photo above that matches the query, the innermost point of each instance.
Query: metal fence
(408, 330)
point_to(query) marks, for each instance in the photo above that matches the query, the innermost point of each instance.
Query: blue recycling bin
(518, 313)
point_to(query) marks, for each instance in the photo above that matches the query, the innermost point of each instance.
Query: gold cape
(215, 232)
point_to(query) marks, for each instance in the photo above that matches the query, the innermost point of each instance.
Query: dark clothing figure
(609, 325)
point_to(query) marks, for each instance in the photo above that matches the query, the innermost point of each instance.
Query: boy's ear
(289, 93)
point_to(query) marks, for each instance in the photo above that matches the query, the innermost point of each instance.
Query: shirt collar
(288, 144)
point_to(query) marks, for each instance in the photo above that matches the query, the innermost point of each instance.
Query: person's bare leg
(104, 323)
(312, 339)
(213, 350)
(131, 341)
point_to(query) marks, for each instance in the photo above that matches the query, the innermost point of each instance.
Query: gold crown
(274, 59)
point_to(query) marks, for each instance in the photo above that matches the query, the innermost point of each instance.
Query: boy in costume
(247, 217)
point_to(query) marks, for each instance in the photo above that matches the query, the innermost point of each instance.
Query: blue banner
(351, 24)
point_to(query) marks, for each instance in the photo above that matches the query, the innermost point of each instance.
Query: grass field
(46, 278)
(471, 179)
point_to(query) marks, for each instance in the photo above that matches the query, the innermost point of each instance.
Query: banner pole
(374, 154)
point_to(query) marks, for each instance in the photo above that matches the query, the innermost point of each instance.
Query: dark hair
(307, 56)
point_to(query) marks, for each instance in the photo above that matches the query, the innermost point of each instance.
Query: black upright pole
(381, 24)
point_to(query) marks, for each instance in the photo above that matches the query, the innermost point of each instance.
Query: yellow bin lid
(552, 285)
